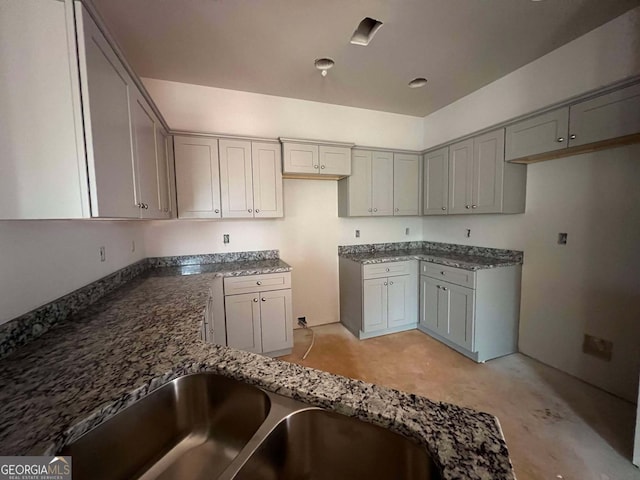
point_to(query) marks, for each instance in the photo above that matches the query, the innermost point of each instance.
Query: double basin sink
(207, 426)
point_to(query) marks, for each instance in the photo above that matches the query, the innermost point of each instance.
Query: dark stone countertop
(146, 333)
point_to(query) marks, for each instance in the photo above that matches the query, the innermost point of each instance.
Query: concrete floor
(556, 426)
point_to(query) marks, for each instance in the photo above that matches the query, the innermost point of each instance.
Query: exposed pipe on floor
(303, 323)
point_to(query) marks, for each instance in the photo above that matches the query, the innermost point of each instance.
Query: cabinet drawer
(464, 278)
(256, 283)
(388, 269)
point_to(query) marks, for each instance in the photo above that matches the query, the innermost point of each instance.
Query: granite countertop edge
(444, 258)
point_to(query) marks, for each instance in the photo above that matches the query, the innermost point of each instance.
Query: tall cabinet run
(100, 150)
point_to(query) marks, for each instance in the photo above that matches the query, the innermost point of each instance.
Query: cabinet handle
(390, 283)
(385, 284)
(217, 210)
(249, 210)
(444, 208)
(258, 282)
(560, 139)
(443, 273)
(315, 166)
(145, 206)
(438, 287)
(375, 209)
(386, 269)
(257, 210)
(444, 288)
(572, 136)
(397, 209)
(255, 300)
(369, 210)
(474, 206)
(322, 167)
(264, 299)
(467, 206)
(139, 205)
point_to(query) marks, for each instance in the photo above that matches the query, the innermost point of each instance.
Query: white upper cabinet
(107, 92)
(43, 172)
(334, 160)
(406, 184)
(460, 176)
(540, 134)
(164, 168)
(308, 159)
(615, 114)
(436, 182)
(488, 171)
(382, 185)
(197, 177)
(267, 180)
(236, 178)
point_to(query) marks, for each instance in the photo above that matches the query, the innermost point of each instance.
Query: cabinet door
(488, 172)
(236, 178)
(544, 133)
(107, 91)
(429, 296)
(382, 183)
(458, 314)
(335, 160)
(360, 184)
(242, 316)
(401, 301)
(267, 180)
(143, 132)
(300, 158)
(436, 182)
(374, 304)
(43, 170)
(612, 115)
(164, 188)
(460, 176)
(197, 177)
(406, 184)
(276, 319)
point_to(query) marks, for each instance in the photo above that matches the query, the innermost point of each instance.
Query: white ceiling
(269, 46)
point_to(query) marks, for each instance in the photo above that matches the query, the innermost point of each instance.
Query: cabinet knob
(474, 206)
(387, 269)
(438, 287)
(397, 209)
(145, 206)
(385, 283)
(255, 300)
(139, 205)
(264, 299)
(375, 209)
(572, 136)
(444, 208)
(390, 283)
(322, 167)
(258, 282)
(369, 210)
(467, 206)
(257, 210)
(315, 166)
(249, 210)
(217, 210)
(445, 288)
(560, 139)
(443, 273)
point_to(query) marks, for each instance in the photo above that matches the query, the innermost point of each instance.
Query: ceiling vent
(365, 31)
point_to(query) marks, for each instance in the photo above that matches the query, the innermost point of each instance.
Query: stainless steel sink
(318, 445)
(191, 428)
(206, 426)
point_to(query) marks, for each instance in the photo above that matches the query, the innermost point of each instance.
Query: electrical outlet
(357, 233)
(407, 231)
(302, 321)
(225, 238)
(562, 239)
(468, 233)
(103, 254)
(133, 245)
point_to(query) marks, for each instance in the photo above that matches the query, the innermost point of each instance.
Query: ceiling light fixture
(417, 82)
(365, 31)
(324, 64)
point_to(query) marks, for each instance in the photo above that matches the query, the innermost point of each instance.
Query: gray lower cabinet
(473, 312)
(378, 299)
(258, 315)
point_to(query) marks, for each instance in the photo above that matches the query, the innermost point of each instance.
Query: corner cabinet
(315, 160)
(474, 312)
(100, 138)
(378, 299)
(258, 315)
(476, 178)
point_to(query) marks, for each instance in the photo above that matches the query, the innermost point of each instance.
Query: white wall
(43, 260)
(591, 284)
(601, 57)
(310, 232)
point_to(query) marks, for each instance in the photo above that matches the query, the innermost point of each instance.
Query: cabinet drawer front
(458, 276)
(388, 269)
(257, 283)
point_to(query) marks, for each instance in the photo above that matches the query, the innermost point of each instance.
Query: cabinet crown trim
(316, 142)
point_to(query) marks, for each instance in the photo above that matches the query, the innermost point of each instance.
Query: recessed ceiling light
(365, 31)
(417, 82)
(324, 64)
